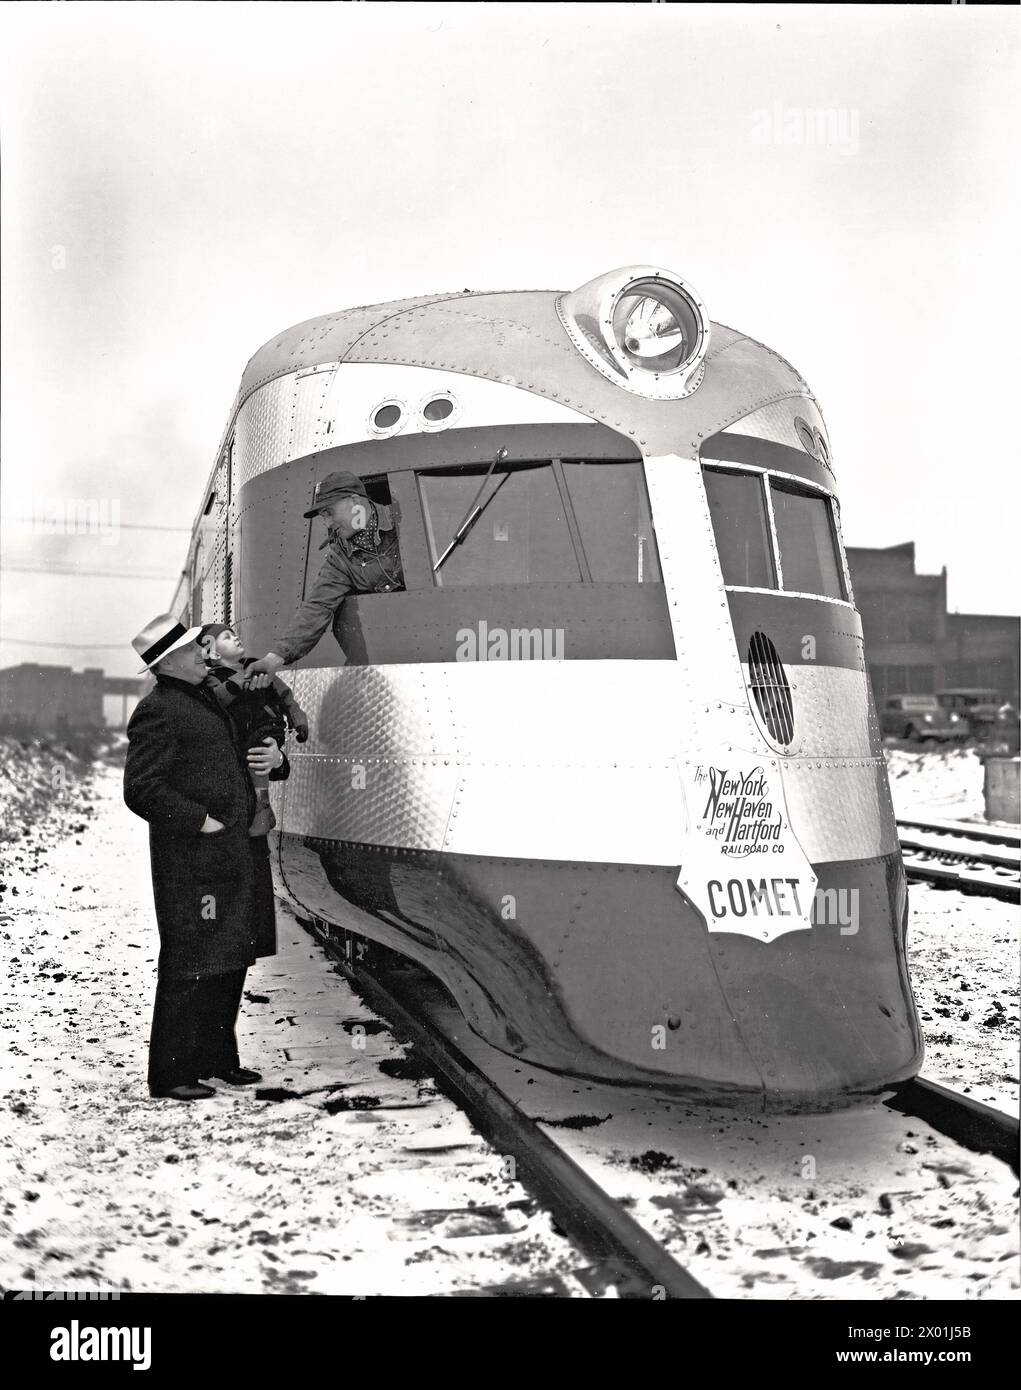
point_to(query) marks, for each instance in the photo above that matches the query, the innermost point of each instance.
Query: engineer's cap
(331, 487)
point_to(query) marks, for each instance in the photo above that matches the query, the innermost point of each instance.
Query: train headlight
(642, 328)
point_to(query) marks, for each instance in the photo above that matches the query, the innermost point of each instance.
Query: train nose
(812, 1019)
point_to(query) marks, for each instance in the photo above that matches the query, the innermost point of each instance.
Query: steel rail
(967, 1122)
(951, 856)
(963, 878)
(991, 835)
(951, 848)
(959, 877)
(630, 1258)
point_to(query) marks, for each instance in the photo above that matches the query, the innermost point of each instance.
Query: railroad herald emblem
(742, 865)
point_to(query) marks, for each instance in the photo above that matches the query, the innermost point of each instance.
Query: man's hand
(266, 758)
(261, 672)
(209, 825)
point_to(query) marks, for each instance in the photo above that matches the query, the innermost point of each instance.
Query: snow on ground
(358, 1178)
(962, 950)
(943, 784)
(963, 959)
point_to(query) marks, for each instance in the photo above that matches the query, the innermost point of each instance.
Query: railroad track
(972, 859)
(613, 1191)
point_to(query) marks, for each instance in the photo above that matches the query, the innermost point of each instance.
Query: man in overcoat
(186, 775)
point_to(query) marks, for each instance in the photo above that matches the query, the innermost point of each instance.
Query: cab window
(809, 562)
(738, 511)
(520, 533)
(614, 519)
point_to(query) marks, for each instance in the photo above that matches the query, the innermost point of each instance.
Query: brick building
(912, 644)
(49, 698)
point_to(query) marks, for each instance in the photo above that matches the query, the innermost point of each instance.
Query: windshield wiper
(474, 510)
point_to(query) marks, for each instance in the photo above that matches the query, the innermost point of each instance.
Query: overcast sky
(181, 181)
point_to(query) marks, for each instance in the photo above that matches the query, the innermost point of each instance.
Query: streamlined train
(607, 763)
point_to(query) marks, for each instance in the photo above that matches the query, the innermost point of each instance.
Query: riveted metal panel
(776, 421)
(331, 336)
(308, 417)
(789, 620)
(599, 954)
(262, 434)
(726, 447)
(523, 442)
(547, 760)
(402, 802)
(710, 690)
(323, 339)
(597, 621)
(840, 810)
(842, 551)
(626, 813)
(207, 590)
(514, 338)
(476, 708)
(529, 745)
(360, 388)
(831, 713)
(271, 537)
(376, 711)
(518, 339)
(582, 712)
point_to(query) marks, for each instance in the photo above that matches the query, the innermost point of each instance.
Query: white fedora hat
(160, 637)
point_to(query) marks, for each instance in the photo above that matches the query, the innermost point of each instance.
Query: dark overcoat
(210, 890)
(264, 908)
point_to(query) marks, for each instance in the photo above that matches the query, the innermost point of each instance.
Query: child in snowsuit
(258, 714)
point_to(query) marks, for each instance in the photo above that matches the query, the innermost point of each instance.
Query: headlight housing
(642, 328)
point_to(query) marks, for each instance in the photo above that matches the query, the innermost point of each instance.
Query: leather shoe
(190, 1091)
(240, 1076)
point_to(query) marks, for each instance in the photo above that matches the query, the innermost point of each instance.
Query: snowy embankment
(938, 785)
(345, 1173)
(37, 780)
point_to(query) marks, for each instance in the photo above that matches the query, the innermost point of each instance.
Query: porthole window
(438, 412)
(387, 418)
(822, 448)
(807, 436)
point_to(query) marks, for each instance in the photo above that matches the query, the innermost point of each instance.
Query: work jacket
(350, 567)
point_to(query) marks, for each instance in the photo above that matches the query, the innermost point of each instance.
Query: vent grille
(770, 688)
(228, 590)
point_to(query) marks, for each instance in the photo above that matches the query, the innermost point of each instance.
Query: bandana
(366, 539)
